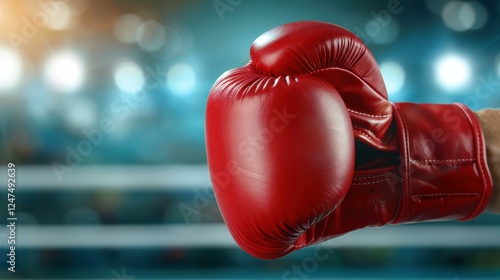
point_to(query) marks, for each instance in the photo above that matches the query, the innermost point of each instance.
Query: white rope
(119, 178)
(217, 236)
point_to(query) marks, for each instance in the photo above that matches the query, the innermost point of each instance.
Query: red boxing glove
(281, 134)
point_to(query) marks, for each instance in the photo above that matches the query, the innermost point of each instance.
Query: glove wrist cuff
(443, 163)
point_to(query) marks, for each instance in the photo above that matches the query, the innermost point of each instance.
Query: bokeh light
(151, 36)
(11, 70)
(394, 76)
(61, 19)
(174, 43)
(129, 77)
(452, 72)
(481, 15)
(459, 15)
(181, 79)
(65, 72)
(125, 28)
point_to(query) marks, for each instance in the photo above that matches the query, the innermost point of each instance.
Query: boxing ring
(195, 179)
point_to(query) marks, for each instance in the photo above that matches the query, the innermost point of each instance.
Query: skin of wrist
(490, 124)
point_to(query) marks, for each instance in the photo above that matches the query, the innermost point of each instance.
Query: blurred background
(102, 110)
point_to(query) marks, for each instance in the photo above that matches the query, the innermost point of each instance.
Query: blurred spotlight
(151, 36)
(80, 113)
(10, 70)
(452, 72)
(129, 77)
(459, 15)
(125, 28)
(436, 6)
(82, 215)
(64, 72)
(481, 15)
(181, 79)
(62, 18)
(394, 76)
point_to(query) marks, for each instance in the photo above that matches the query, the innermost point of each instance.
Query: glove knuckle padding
(289, 159)
(337, 56)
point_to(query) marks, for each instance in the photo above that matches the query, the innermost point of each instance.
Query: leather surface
(274, 146)
(303, 146)
(337, 56)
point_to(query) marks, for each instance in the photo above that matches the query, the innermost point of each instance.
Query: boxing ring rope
(174, 178)
(112, 178)
(217, 236)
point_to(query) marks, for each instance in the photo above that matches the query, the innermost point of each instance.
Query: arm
(490, 123)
